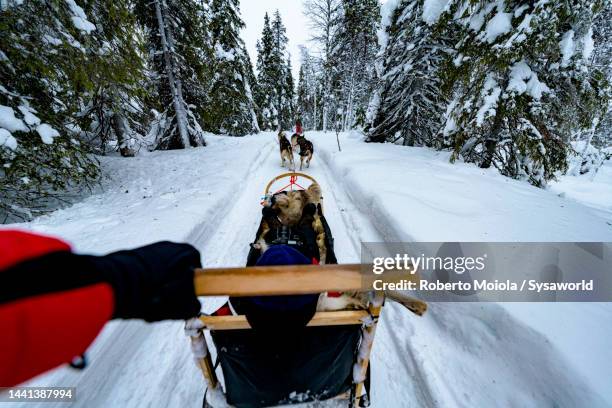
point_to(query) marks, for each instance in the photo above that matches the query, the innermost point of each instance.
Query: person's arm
(53, 303)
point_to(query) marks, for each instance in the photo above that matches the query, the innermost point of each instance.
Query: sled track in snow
(204, 232)
(122, 345)
(134, 365)
(363, 225)
(223, 239)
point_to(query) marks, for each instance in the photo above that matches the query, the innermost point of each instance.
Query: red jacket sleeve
(46, 330)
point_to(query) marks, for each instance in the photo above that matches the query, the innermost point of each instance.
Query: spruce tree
(303, 108)
(114, 112)
(252, 89)
(176, 35)
(275, 82)
(601, 59)
(231, 107)
(523, 86)
(325, 22)
(355, 56)
(503, 84)
(67, 72)
(409, 104)
(307, 100)
(265, 96)
(288, 102)
(279, 74)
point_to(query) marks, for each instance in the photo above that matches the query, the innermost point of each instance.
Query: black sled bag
(282, 363)
(266, 369)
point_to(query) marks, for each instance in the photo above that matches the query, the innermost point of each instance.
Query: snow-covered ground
(457, 355)
(518, 351)
(592, 190)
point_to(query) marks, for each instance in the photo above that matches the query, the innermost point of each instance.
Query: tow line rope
(292, 182)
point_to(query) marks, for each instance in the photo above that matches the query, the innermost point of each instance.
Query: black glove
(154, 282)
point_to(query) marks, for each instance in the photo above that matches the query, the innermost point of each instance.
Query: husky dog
(286, 152)
(306, 149)
(295, 208)
(294, 138)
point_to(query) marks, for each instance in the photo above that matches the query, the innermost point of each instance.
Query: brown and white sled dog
(306, 149)
(286, 152)
(289, 209)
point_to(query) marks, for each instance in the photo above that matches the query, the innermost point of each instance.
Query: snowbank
(180, 195)
(594, 190)
(154, 196)
(430, 199)
(527, 355)
(457, 355)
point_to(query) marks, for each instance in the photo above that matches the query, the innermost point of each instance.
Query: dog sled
(271, 360)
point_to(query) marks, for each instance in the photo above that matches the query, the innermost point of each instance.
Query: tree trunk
(325, 103)
(118, 124)
(175, 88)
(491, 143)
(314, 114)
(348, 118)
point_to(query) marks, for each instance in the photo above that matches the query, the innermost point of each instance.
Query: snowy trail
(134, 364)
(438, 360)
(160, 352)
(393, 381)
(444, 359)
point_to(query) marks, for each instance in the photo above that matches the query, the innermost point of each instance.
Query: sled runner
(270, 360)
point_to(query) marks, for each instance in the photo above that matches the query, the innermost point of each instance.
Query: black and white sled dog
(306, 148)
(286, 151)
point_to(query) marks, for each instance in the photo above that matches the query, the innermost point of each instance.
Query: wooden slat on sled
(298, 279)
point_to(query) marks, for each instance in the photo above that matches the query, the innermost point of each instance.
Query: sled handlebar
(289, 280)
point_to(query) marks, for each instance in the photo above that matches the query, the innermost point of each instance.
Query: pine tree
(66, 72)
(231, 107)
(176, 40)
(325, 17)
(355, 57)
(275, 81)
(264, 96)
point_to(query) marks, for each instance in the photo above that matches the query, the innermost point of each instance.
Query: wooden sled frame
(296, 280)
(290, 280)
(293, 176)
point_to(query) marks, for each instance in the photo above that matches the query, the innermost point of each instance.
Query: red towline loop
(292, 182)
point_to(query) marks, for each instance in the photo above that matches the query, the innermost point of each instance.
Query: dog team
(297, 139)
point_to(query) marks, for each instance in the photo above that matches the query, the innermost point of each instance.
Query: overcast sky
(253, 12)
